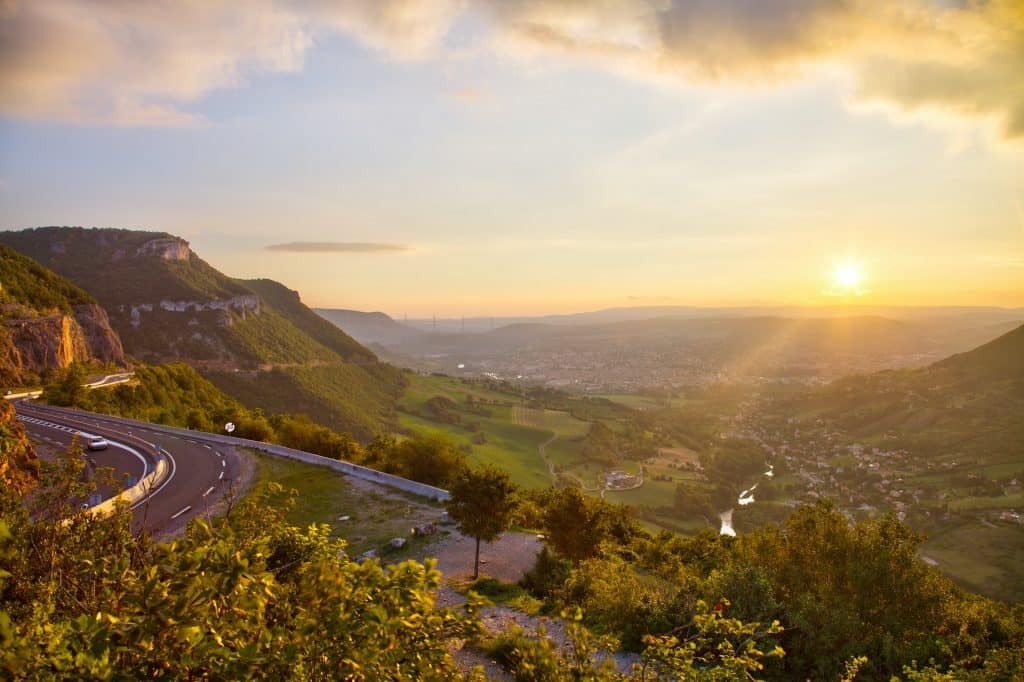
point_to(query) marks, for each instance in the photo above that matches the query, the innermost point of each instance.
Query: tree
(68, 390)
(428, 459)
(482, 504)
(575, 524)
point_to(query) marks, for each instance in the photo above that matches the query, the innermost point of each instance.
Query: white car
(98, 443)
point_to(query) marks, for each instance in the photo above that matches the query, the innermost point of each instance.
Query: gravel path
(506, 559)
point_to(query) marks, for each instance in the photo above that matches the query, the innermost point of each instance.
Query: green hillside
(355, 398)
(288, 304)
(108, 264)
(26, 282)
(969, 406)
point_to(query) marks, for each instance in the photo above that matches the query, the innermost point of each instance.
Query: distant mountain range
(971, 315)
(753, 340)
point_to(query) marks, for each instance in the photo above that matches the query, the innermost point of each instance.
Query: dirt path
(507, 559)
(542, 449)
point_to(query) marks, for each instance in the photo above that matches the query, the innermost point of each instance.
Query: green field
(992, 566)
(514, 432)
(511, 431)
(376, 514)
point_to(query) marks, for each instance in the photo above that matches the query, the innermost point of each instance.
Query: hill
(166, 302)
(371, 327)
(1000, 358)
(943, 446)
(169, 305)
(968, 405)
(47, 323)
(288, 303)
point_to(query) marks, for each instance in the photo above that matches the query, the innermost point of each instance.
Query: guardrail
(142, 489)
(348, 468)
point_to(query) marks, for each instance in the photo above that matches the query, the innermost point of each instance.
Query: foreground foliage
(240, 597)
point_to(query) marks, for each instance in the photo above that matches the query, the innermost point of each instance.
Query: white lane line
(222, 464)
(208, 491)
(221, 477)
(176, 515)
(207, 446)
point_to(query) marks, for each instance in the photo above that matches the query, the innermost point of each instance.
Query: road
(200, 474)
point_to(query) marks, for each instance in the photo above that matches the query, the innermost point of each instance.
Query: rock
(424, 530)
(397, 543)
(346, 517)
(367, 555)
(103, 342)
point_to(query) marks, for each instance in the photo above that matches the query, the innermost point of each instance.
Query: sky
(511, 157)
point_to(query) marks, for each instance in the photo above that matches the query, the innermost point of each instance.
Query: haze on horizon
(513, 157)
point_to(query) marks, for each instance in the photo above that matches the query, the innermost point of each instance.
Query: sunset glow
(485, 158)
(848, 276)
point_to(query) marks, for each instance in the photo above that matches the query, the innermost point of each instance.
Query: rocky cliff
(47, 323)
(32, 344)
(19, 467)
(101, 340)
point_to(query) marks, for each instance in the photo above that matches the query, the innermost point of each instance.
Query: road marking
(174, 516)
(208, 491)
(222, 464)
(207, 446)
(221, 477)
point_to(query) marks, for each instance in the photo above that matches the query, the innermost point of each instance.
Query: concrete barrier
(140, 491)
(348, 468)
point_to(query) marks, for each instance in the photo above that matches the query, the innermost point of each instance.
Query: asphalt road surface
(200, 474)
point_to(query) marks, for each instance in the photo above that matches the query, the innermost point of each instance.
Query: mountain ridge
(169, 305)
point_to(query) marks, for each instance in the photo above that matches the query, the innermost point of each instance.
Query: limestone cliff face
(48, 342)
(19, 467)
(32, 344)
(103, 342)
(170, 248)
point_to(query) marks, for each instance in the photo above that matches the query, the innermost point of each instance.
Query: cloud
(122, 62)
(960, 58)
(136, 63)
(337, 247)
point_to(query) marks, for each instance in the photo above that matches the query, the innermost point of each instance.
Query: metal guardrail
(161, 466)
(354, 470)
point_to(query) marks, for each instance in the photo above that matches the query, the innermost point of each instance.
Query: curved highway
(199, 474)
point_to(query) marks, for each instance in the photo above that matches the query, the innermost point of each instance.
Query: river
(746, 497)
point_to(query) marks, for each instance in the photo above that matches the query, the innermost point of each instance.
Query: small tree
(482, 504)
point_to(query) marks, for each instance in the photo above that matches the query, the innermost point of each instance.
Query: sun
(848, 276)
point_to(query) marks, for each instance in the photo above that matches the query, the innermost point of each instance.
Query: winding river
(746, 497)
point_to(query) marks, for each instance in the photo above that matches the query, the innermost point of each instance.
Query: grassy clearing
(994, 566)
(376, 514)
(653, 494)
